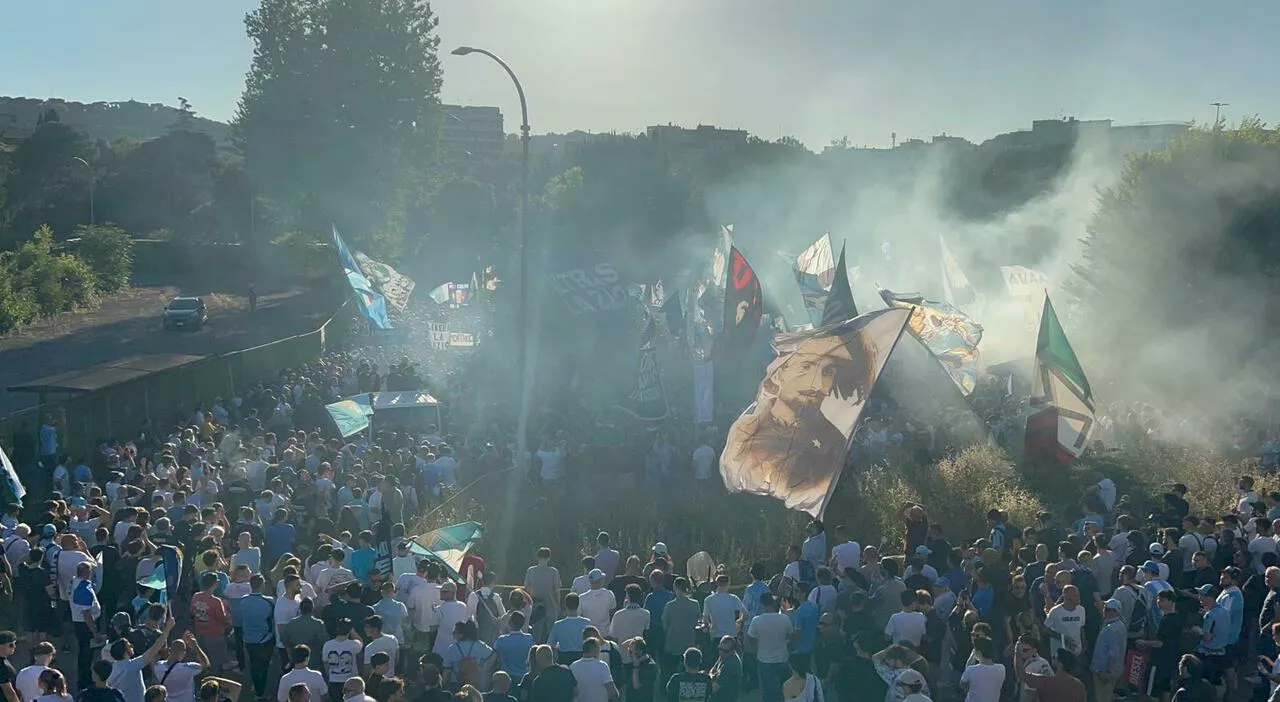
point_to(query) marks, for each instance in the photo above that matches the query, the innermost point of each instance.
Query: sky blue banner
(373, 306)
(352, 414)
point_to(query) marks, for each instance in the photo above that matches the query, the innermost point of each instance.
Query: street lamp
(1217, 112)
(92, 220)
(522, 426)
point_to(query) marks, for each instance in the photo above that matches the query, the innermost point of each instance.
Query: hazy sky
(815, 69)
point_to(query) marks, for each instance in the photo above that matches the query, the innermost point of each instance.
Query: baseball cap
(1156, 549)
(1151, 566)
(595, 575)
(923, 550)
(78, 502)
(1113, 604)
(449, 586)
(660, 548)
(910, 677)
(1208, 590)
(943, 583)
(49, 530)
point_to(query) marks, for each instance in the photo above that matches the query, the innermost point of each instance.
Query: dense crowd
(281, 593)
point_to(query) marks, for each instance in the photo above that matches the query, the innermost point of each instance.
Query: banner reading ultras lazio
(588, 286)
(949, 334)
(791, 443)
(1061, 400)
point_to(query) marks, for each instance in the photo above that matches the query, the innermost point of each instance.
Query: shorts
(1213, 668)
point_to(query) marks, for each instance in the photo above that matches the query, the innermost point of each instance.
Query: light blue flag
(9, 477)
(352, 414)
(373, 306)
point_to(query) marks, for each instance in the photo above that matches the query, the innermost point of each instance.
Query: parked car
(185, 312)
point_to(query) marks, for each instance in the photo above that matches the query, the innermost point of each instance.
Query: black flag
(648, 401)
(743, 304)
(382, 560)
(839, 307)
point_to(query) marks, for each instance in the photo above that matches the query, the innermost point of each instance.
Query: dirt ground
(129, 324)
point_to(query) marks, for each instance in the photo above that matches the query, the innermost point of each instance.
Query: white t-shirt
(340, 658)
(312, 678)
(984, 682)
(28, 682)
(592, 675)
(1069, 623)
(181, 681)
(285, 610)
(772, 632)
(383, 644)
(704, 458)
(1259, 546)
(421, 597)
(598, 606)
(906, 626)
(628, 623)
(448, 614)
(68, 562)
(847, 555)
(580, 584)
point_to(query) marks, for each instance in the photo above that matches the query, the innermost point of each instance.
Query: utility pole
(1217, 112)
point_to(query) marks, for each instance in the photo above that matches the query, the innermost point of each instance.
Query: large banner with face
(791, 443)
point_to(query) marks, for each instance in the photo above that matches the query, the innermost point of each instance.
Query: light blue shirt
(722, 608)
(1108, 654)
(393, 613)
(48, 440)
(805, 620)
(751, 599)
(566, 634)
(814, 550)
(256, 614)
(513, 653)
(126, 676)
(1233, 601)
(1217, 627)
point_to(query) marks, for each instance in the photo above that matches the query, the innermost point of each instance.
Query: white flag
(1024, 282)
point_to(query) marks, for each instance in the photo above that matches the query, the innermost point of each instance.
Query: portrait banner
(791, 443)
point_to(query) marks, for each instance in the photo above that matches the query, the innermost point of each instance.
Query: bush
(108, 250)
(39, 282)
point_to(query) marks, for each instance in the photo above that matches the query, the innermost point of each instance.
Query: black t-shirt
(7, 672)
(554, 684)
(648, 674)
(689, 687)
(99, 694)
(618, 586)
(1170, 636)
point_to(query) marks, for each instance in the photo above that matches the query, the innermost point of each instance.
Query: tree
(1181, 267)
(339, 109)
(159, 183)
(108, 250)
(45, 183)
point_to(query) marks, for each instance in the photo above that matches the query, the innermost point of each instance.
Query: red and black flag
(743, 304)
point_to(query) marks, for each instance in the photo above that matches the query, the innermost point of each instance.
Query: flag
(743, 304)
(949, 334)
(373, 306)
(171, 558)
(839, 307)
(704, 403)
(1024, 282)
(588, 285)
(351, 416)
(451, 543)
(791, 443)
(705, 301)
(440, 294)
(382, 556)
(955, 283)
(675, 317)
(9, 477)
(648, 401)
(393, 285)
(815, 270)
(490, 279)
(657, 295)
(1061, 399)
(461, 293)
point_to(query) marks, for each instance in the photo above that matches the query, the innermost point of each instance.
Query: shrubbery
(36, 280)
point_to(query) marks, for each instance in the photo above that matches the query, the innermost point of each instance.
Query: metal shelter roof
(93, 378)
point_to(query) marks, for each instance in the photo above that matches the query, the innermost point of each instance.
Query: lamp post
(92, 220)
(522, 425)
(1217, 112)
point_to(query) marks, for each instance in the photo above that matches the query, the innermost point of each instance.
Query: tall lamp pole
(1217, 112)
(522, 426)
(92, 220)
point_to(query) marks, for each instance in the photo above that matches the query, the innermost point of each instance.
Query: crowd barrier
(121, 410)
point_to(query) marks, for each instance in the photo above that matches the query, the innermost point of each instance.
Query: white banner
(463, 339)
(439, 335)
(1024, 282)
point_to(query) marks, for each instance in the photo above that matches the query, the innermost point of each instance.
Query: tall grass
(739, 530)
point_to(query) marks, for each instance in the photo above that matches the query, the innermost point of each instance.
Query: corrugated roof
(104, 375)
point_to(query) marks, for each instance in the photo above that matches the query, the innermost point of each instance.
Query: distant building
(1152, 136)
(13, 129)
(1122, 139)
(703, 138)
(556, 147)
(467, 130)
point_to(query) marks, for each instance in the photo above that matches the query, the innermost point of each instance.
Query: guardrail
(120, 410)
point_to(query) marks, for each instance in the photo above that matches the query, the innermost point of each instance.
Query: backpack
(1141, 611)
(469, 671)
(487, 618)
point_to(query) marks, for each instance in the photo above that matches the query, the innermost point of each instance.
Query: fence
(122, 409)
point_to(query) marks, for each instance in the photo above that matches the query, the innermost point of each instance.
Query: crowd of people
(281, 593)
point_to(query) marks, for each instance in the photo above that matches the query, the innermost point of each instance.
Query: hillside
(102, 120)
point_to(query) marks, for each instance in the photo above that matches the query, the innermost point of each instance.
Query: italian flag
(1061, 399)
